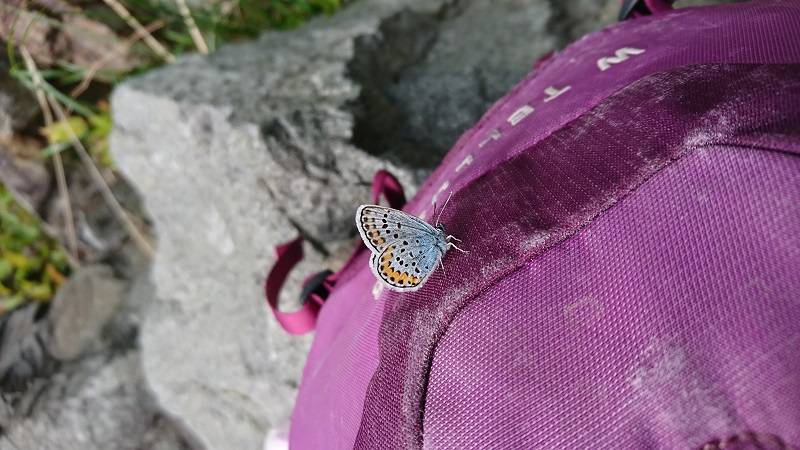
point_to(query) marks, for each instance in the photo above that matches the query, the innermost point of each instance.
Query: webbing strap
(297, 322)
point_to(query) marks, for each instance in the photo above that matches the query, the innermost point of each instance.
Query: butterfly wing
(405, 265)
(405, 248)
(380, 226)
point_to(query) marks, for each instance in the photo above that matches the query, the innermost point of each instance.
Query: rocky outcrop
(95, 404)
(71, 376)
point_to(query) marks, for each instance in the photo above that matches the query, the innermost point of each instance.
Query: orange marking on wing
(395, 277)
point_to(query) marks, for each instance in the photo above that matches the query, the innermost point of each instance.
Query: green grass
(220, 24)
(226, 21)
(33, 264)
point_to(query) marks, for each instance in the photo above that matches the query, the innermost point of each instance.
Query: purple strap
(659, 6)
(303, 320)
(290, 253)
(385, 183)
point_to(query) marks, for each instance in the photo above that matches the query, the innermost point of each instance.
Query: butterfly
(405, 248)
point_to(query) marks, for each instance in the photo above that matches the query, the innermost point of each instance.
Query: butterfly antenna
(443, 207)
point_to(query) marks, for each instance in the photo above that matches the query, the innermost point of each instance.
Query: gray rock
(22, 353)
(17, 104)
(244, 149)
(97, 400)
(28, 180)
(95, 404)
(80, 310)
(426, 77)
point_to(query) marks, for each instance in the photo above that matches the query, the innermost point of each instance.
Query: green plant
(32, 264)
(93, 131)
(231, 20)
(221, 22)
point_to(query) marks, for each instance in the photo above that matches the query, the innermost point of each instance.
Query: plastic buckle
(629, 7)
(315, 285)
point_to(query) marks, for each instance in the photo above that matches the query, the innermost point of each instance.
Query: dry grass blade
(63, 192)
(148, 38)
(61, 179)
(194, 32)
(89, 76)
(97, 177)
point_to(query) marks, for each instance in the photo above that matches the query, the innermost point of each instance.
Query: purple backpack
(632, 215)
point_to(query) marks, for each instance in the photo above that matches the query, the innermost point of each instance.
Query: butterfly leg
(456, 247)
(450, 236)
(442, 265)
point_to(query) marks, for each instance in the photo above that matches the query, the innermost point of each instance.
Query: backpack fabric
(631, 211)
